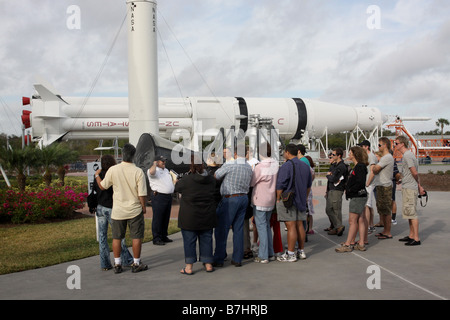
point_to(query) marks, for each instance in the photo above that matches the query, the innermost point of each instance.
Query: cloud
(310, 48)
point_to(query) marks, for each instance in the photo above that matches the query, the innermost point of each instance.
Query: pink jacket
(264, 181)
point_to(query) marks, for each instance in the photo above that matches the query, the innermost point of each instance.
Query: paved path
(419, 273)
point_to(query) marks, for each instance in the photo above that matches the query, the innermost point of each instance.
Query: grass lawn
(34, 246)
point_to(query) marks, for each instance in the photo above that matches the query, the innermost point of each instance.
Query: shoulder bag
(288, 196)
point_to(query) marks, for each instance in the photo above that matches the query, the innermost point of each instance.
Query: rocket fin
(49, 139)
(46, 94)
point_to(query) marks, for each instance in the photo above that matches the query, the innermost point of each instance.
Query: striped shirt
(236, 176)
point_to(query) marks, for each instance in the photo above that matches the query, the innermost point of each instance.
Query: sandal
(384, 236)
(183, 271)
(209, 270)
(248, 255)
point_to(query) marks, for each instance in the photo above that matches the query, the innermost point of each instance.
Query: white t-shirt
(409, 161)
(387, 170)
(161, 181)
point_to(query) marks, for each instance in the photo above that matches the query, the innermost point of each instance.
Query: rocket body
(101, 118)
(142, 68)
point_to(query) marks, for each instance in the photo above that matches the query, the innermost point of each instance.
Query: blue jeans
(230, 212)
(262, 221)
(103, 220)
(190, 244)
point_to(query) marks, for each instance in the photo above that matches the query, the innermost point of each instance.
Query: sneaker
(118, 268)
(301, 254)
(272, 258)
(285, 257)
(394, 222)
(259, 260)
(371, 230)
(344, 248)
(138, 267)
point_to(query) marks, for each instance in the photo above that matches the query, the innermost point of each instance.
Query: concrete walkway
(419, 273)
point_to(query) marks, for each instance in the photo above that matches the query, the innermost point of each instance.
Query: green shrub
(41, 203)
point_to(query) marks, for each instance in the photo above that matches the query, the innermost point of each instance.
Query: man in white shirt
(162, 187)
(411, 188)
(385, 170)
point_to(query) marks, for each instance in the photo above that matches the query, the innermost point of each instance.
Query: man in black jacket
(337, 178)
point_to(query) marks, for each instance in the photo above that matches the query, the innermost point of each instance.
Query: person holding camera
(355, 190)
(411, 189)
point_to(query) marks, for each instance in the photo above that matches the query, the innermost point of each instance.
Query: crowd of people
(244, 193)
(373, 182)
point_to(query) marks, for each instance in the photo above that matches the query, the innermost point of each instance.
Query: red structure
(433, 149)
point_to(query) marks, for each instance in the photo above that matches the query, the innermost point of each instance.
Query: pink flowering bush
(39, 205)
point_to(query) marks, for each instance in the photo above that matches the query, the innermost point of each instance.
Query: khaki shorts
(384, 200)
(409, 201)
(136, 225)
(291, 214)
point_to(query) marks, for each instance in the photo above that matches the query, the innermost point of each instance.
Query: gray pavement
(419, 273)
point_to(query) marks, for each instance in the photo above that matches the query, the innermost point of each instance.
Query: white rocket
(103, 118)
(54, 117)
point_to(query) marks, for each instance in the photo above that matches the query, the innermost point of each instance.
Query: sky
(391, 55)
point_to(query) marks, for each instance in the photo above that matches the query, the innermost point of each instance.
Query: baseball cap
(160, 158)
(364, 143)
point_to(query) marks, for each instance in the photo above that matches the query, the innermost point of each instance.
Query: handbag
(92, 200)
(288, 196)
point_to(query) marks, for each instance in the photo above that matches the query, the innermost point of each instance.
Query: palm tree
(55, 155)
(441, 123)
(64, 156)
(18, 160)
